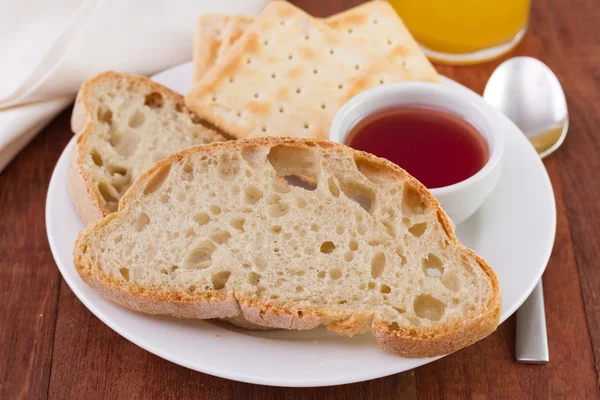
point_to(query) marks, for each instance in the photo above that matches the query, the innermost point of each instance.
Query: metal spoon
(529, 93)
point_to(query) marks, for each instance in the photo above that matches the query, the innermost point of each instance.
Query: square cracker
(376, 28)
(373, 27)
(208, 41)
(286, 76)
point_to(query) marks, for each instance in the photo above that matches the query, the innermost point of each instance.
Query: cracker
(373, 27)
(235, 28)
(209, 32)
(286, 76)
(376, 28)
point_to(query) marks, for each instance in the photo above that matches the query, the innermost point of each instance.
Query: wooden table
(52, 346)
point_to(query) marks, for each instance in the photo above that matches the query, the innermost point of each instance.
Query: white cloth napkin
(50, 47)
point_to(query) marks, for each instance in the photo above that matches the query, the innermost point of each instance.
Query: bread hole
(154, 100)
(327, 247)
(273, 297)
(335, 273)
(278, 210)
(377, 264)
(124, 145)
(428, 307)
(188, 173)
(238, 223)
(252, 194)
(321, 274)
(259, 291)
(371, 285)
(109, 194)
(273, 199)
(228, 167)
(348, 256)
(417, 230)
(389, 227)
(371, 172)
(219, 280)
(164, 198)
(301, 182)
(362, 229)
(412, 200)
(105, 115)
(399, 310)
(215, 210)
(358, 193)
(117, 169)
(125, 273)
(136, 119)
(220, 236)
(200, 256)
(342, 302)
(300, 202)
(451, 281)
(314, 227)
(298, 166)
(385, 289)
(201, 218)
(276, 229)
(96, 158)
(189, 233)
(191, 288)
(353, 245)
(362, 286)
(394, 326)
(433, 266)
(158, 179)
(400, 253)
(141, 221)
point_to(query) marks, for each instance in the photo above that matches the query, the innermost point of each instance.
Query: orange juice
(464, 27)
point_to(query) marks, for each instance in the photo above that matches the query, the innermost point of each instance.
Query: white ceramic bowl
(462, 199)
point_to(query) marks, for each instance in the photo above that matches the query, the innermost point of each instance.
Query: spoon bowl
(528, 92)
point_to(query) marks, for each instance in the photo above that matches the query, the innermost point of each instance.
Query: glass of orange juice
(464, 31)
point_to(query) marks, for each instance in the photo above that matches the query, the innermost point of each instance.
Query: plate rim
(239, 376)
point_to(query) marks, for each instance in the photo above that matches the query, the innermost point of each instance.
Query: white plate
(514, 231)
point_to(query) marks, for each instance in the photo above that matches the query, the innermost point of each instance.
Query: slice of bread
(293, 233)
(125, 124)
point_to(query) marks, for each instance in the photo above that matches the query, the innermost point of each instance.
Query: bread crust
(85, 195)
(414, 342)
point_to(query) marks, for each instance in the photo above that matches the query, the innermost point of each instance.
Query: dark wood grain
(52, 346)
(28, 276)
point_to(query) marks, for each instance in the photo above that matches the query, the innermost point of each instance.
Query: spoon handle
(532, 339)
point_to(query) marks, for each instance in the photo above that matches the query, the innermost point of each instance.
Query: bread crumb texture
(294, 233)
